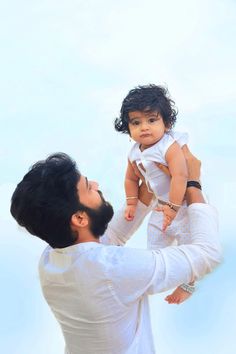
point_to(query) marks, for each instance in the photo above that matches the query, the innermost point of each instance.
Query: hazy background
(65, 67)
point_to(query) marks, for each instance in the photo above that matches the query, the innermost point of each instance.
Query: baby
(148, 115)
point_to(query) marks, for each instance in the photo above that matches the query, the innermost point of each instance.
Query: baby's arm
(178, 171)
(131, 191)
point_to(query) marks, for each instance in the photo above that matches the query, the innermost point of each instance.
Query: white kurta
(99, 291)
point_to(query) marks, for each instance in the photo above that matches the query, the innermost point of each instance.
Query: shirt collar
(79, 248)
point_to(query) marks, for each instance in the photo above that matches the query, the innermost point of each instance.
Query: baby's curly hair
(147, 98)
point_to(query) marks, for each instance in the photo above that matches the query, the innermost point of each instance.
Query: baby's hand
(169, 215)
(130, 212)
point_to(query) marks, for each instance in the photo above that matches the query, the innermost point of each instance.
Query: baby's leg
(180, 294)
(181, 232)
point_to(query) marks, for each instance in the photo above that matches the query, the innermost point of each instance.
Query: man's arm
(193, 194)
(120, 230)
(204, 252)
(136, 272)
(152, 272)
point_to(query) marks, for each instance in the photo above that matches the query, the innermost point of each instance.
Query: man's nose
(94, 185)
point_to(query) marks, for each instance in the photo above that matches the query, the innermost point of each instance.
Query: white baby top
(155, 179)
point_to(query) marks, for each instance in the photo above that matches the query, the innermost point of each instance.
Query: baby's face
(146, 128)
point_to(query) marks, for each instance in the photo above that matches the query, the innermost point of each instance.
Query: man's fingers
(163, 168)
(185, 149)
(137, 172)
(193, 164)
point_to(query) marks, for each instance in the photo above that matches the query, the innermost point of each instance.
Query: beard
(100, 217)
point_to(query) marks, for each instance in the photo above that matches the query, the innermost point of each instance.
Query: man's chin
(100, 218)
(100, 233)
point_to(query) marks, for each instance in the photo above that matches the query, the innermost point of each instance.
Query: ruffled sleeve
(134, 153)
(180, 137)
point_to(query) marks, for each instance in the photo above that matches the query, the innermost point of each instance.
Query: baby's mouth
(145, 135)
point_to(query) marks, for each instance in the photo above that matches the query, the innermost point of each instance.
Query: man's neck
(86, 236)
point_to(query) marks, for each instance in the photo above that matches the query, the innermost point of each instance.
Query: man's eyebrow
(86, 180)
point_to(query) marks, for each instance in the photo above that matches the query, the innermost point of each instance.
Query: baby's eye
(135, 122)
(152, 119)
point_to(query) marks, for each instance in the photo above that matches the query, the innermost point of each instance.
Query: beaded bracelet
(171, 205)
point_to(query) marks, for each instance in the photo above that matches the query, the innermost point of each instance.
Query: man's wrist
(195, 184)
(194, 193)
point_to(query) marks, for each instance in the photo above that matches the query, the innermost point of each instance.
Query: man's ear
(79, 219)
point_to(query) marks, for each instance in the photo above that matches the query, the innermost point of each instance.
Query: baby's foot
(179, 295)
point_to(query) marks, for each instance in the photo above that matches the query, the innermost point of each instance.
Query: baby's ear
(167, 128)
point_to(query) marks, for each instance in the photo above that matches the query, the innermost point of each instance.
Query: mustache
(100, 193)
(102, 197)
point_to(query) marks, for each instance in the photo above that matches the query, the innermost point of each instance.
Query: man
(98, 291)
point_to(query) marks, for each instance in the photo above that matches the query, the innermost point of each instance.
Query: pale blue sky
(65, 67)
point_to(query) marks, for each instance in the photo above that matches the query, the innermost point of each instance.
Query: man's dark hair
(44, 201)
(147, 98)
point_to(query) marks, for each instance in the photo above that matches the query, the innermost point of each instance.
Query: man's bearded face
(100, 217)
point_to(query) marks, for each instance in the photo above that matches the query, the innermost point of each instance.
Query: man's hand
(193, 195)
(193, 165)
(130, 212)
(144, 195)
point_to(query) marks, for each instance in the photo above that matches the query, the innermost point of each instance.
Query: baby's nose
(144, 124)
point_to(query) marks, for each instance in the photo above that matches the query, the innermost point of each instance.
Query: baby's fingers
(159, 208)
(166, 222)
(128, 217)
(164, 227)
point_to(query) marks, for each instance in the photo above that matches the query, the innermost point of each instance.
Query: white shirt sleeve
(135, 272)
(120, 230)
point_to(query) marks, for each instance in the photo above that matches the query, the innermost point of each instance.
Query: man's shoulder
(118, 259)
(107, 259)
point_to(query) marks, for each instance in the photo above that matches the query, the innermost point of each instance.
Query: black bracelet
(195, 184)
